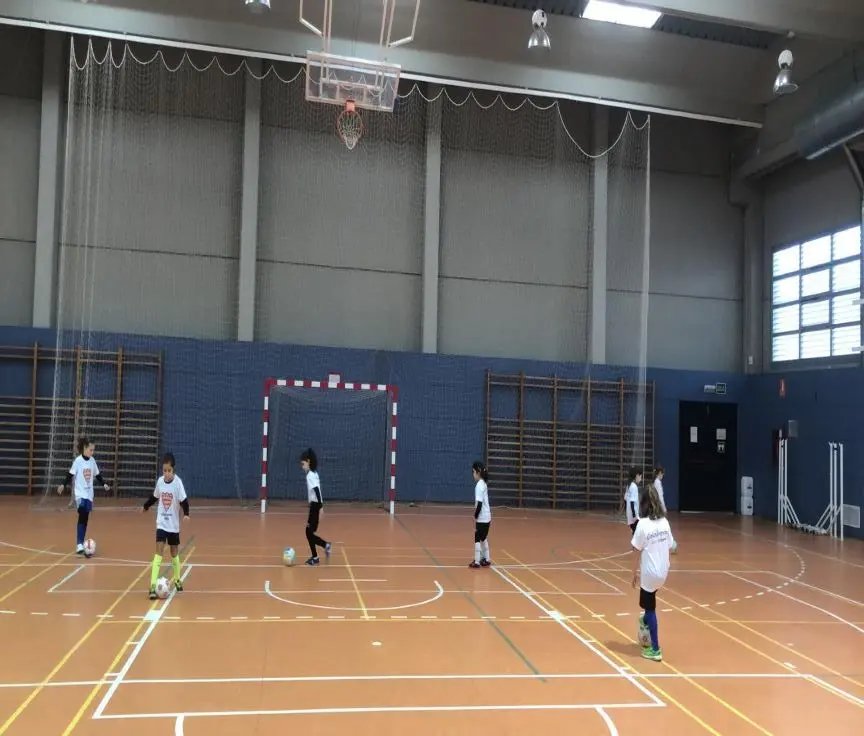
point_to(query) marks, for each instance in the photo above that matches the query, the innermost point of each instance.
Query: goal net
(350, 426)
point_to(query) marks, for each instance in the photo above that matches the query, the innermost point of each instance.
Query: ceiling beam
(611, 65)
(841, 20)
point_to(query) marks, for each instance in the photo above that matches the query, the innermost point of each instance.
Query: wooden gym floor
(762, 630)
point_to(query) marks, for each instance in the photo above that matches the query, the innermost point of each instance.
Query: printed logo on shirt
(167, 500)
(88, 476)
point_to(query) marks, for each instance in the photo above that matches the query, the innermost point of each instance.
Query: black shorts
(647, 601)
(481, 530)
(172, 539)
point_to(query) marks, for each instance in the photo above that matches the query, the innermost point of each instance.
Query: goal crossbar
(315, 385)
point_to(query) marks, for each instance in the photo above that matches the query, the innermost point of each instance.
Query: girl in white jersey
(309, 463)
(82, 474)
(482, 516)
(652, 542)
(659, 472)
(170, 494)
(631, 498)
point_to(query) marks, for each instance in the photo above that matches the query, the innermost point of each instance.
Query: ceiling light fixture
(621, 14)
(783, 82)
(539, 38)
(257, 6)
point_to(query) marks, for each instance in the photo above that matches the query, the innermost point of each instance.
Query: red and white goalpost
(333, 383)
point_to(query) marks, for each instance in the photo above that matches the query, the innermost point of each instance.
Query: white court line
(601, 580)
(829, 593)
(833, 688)
(154, 620)
(66, 579)
(382, 709)
(362, 678)
(340, 591)
(607, 720)
(178, 726)
(623, 673)
(798, 600)
(345, 608)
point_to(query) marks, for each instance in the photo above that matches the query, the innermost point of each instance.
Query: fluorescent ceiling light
(625, 15)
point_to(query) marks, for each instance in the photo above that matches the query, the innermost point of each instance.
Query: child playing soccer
(659, 472)
(482, 516)
(652, 541)
(170, 494)
(81, 476)
(631, 499)
(309, 463)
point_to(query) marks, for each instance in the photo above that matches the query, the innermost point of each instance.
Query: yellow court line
(754, 649)
(354, 583)
(38, 575)
(612, 654)
(66, 657)
(122, 651)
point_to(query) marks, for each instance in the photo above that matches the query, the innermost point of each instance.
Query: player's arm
(638, 544)
(478, 504)
(150, 500)
(633, 502)
(184, 500)
(67, 483)
(317, 491)
(100, 480)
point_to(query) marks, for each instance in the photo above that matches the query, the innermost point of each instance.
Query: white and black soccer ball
(538, 20)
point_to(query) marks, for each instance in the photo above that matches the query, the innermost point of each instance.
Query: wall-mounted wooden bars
(114, 397)
(565, 443)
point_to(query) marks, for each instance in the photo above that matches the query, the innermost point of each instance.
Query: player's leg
(478, 545)
(485, 559)
(312, 538)
(161, 538)
(174, 544)
(85, 506)
(648, 602)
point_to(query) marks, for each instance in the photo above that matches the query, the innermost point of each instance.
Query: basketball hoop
(349, 125)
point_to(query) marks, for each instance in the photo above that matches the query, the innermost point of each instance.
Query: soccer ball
(89, 548)
(163, 588)
(644, 635)
(288, 556)
(538, 20)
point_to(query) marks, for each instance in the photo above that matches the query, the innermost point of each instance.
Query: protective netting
(149, 306)
(349, 430)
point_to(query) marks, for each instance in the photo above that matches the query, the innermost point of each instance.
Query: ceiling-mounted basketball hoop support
(385, 40)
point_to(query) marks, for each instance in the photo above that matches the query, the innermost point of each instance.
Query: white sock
(486, 550)
(477, 552)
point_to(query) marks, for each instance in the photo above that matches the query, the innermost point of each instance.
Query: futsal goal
(350, 426)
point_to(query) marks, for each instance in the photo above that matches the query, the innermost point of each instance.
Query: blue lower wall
(212, 401)
(828, 406)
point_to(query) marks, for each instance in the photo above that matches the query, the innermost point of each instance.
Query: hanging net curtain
(148, 268)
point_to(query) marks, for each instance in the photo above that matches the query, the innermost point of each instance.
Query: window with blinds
(814, 289)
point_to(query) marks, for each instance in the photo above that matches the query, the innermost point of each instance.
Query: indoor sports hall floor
(762, 630)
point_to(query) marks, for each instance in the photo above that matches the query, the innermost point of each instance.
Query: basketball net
(349, 125)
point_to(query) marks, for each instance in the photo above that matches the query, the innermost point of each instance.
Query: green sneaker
(153, 593)
(655, 655)
(178, 585)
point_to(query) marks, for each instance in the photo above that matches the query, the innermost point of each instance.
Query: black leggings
(312, 527)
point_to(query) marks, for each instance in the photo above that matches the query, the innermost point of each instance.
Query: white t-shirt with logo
(85, 471)
(312, 482)
(653, 537)
(659, 486)
(632, 497)
(168, 497)
(481, 495)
